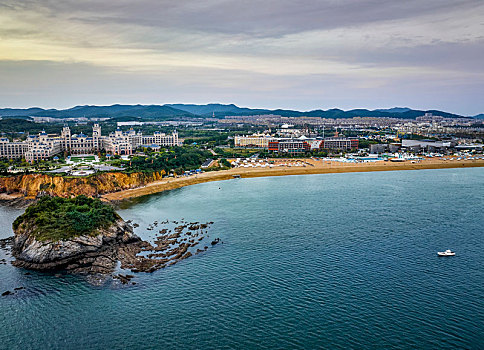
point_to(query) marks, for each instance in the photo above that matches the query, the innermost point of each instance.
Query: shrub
(55, 218)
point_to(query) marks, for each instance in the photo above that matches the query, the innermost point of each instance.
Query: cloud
(280, 46)
(56, 84)
(259, 18)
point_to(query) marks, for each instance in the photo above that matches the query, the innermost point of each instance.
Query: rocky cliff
(93, 253)
(33, 184)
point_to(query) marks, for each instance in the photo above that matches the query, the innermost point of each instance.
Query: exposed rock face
(87, 253)
(97, 255)
(15, 200)
(31, 185)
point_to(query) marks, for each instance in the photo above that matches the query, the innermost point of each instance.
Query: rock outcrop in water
(93, 253)
(85, 236)
(98, 254)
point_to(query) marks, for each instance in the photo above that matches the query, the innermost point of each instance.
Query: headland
(82, 235)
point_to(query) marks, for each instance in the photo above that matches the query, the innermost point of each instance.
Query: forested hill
(192, 111)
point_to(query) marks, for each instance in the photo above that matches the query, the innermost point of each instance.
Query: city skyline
(304, 56)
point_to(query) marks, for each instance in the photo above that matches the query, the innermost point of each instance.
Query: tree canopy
(176, 158)
(56, 218)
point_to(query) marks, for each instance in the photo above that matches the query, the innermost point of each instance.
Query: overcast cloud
(269, 54)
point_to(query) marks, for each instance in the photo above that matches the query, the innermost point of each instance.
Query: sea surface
(327, 261)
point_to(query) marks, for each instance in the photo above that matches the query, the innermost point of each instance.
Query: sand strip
(313, 167)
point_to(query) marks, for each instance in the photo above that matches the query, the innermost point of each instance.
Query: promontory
(78, 234)
(83, 235)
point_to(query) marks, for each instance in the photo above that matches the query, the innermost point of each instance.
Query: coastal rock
(15, 201)
(14, 188)
(6, 242)
(96, 254)
(92, 253)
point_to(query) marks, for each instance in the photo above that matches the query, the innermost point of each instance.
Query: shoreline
(15, 200)
(312, 167)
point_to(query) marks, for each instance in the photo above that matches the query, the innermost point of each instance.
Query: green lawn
(80, 159)
(237, 152)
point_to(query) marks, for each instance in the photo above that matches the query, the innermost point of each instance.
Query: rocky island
(83, 235)
(79, 234)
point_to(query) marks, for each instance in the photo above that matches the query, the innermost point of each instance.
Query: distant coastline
(312, 167)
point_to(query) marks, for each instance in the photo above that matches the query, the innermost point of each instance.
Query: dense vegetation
(237, 152)
(171, 160)
(205, 137)
(176, 159)
(56, 218)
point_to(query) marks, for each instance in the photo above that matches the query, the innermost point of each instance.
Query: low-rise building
(293, 144)
(289, 146)
(378, 148)
(256, 140)
(341, 143)
(12, 150)
(417, 145)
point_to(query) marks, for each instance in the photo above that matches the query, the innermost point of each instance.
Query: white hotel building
(255, 140)
(43, 146)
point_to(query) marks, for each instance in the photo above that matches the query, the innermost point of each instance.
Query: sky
(294, 54)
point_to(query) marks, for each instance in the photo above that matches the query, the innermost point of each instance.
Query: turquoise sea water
(320, 261)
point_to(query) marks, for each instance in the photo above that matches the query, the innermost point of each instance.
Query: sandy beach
(311, 167)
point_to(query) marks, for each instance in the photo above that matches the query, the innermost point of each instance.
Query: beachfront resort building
(295, 145)
(289, 146)
(338, 142)
(43, 146)
(12, 150)
(255, 140)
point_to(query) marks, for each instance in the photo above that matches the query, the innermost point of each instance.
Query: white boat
(448, 252)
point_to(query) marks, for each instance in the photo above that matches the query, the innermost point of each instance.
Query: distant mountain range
(176, 111)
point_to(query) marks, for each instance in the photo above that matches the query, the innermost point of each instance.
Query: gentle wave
(322, 261)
